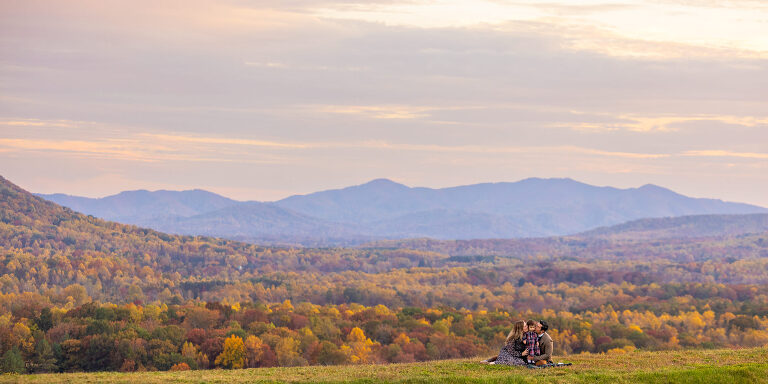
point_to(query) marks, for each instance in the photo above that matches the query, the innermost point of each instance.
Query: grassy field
(695, 366)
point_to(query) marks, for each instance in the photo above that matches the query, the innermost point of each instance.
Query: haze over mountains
(139, 207)
(683, 226)
(383, 209)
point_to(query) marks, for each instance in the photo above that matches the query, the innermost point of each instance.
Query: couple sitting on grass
(527, 344)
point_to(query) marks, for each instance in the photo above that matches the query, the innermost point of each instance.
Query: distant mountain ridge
(383, 209)
(142, 206)
(262, 222)
(684, 226)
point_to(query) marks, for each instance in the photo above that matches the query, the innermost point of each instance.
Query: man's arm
(546, 349)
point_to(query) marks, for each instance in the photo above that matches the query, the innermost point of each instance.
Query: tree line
(205, 335)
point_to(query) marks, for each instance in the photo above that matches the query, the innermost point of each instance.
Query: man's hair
(531, 323)
(544, 325)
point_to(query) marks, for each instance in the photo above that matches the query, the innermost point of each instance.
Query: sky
(259, 100)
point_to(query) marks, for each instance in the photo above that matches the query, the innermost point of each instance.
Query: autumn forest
(81, 294)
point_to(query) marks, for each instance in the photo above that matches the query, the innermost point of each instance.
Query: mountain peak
(654, 188)
(550, 181)
(383, 183)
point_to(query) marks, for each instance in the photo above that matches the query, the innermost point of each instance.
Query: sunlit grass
(693, 366)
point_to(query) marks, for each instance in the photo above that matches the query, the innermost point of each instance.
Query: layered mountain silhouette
(383, 209)
(684, 226)
(140, 207)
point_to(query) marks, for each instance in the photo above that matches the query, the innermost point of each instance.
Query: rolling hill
(261, 223)
(144, 207)
(684, 226)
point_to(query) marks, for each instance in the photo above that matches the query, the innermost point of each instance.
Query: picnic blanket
(550, 365)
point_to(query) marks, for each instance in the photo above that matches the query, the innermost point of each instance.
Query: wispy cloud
(577, 120)
(394, 146)
(635, 28)
(158, 146)
(221, 140)
(40, 123)
(101, 148)
(378, 112)
(130, 150)
(144, 147)
(639, 123)
(722, 153)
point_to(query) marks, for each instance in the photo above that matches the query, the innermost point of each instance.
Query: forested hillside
(79, 293)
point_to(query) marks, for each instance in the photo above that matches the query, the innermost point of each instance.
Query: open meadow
(691, 366)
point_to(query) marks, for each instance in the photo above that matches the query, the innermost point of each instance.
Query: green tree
(43, 360)
(96, 357)
(12, 362)
(45, 320)
(330, 354)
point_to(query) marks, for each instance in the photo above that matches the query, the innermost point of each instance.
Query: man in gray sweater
(545, 344)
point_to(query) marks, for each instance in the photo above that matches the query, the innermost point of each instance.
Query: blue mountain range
(383, 209)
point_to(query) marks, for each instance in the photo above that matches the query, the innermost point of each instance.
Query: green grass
(693, 366)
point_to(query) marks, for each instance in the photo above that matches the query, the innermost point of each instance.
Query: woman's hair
(517, 332)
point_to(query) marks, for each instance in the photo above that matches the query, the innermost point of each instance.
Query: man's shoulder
(545, 336)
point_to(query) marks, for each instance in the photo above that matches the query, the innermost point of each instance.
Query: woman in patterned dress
(512, 351)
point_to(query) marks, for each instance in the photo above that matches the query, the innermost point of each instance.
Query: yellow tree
(253, 351)
(401, 339)
(189, 351)
(233, 355)
(358, 347)
(288, 353)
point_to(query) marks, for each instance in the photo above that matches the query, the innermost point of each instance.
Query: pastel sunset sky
(259, 100)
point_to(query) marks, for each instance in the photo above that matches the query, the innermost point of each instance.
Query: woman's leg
(490, 360)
